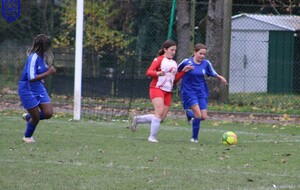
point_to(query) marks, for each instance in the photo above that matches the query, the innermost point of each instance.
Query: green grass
(107, 155)
(262, 103)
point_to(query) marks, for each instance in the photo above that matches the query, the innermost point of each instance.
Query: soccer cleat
(133, 124)
(151, 139)
(194, 140)
(24, 116)
(28, 139)
(189, 119)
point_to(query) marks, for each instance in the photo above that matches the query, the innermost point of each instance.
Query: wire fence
(120, 44)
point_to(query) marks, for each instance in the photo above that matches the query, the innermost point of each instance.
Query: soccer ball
(229, 138)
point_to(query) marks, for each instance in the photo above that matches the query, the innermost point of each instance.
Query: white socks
(145, 118)
(154, 127)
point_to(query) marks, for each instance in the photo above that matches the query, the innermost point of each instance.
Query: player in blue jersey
(32, 92)
(194, 91)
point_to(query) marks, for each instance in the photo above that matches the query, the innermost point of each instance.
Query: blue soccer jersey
(193, 82)
(35, 65)
(33, 93)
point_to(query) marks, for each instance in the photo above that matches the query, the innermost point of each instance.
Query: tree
(102, 36)
(217, 44)
(98, 32)
(276, 7)
(183, 30)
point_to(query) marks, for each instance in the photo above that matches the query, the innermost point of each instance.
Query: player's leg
(31, 124)
(46, 111)
(203, 114)
(191, 108)
(167, 104)
(159, 108)
(196, 122)
(196, 111)
(153, 93)
(189, 115)
(140, 119)
(201, 106)
(45, 106)
(27, 116)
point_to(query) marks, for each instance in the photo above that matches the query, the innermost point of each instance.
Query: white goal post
(78, 59)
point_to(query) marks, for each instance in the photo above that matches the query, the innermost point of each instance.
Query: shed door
(248, 61)
(281, 62)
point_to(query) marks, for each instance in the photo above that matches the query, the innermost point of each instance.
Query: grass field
(107, 155)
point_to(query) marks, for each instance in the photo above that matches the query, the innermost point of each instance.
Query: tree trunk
(215, 42)
(183, 30)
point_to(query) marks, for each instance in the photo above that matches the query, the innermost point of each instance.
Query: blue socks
(195, 124)
(28, 116)
(189, 113)
(195, 128)
(29, 130)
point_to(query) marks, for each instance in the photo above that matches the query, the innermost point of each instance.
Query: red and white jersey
(169, 67)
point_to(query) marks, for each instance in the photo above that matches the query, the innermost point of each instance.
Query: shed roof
(266, 22)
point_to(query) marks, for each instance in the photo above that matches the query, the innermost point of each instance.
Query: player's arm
(41, 76)
(180, 74)
(223, 80)
(153, 70)
(212, 72)
(182, 65)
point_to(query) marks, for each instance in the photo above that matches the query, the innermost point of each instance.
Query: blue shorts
(31, 97)
(190, 101)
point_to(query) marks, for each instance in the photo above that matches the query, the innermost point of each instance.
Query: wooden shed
(265, 54)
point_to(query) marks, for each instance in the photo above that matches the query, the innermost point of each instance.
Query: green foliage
(107, 155)
(98, 30)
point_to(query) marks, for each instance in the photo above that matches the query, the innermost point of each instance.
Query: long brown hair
(42, 44)
(166, 44)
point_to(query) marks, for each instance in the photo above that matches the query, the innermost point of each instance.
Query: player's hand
(51, 70)
(223, 80)
(187, 68)
(161, 73)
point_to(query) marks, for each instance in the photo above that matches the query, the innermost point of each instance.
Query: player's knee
(161, 116)
(198, 116)
(204, 117)
(48, 114)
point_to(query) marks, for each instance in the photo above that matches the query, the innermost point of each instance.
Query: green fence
(121, 38)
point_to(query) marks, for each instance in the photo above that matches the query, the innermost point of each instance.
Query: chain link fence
(264, 60)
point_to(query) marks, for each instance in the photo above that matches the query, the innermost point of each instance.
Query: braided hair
(42, 44)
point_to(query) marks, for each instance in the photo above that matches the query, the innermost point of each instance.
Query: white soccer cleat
(28, 140)
(24, 116)
(134, 123)
(194, 140)
(151, 139)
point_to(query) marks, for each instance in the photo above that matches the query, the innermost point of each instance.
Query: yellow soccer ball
(229, 138)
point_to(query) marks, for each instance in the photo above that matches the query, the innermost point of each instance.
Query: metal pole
(172, 19)
(78, 59)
